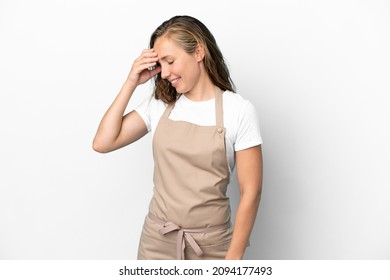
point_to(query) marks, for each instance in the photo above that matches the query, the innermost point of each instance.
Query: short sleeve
(144, 110)
(248, 133)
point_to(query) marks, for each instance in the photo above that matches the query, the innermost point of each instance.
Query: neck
(203, 92)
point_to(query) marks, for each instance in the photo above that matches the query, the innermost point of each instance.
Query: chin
(180, 91)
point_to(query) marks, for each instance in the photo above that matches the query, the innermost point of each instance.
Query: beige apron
(189, 214)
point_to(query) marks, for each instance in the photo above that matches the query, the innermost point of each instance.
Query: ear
(199, 52)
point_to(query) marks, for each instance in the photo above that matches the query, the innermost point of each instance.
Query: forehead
(165, 46)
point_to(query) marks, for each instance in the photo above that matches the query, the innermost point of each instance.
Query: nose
(164, 72)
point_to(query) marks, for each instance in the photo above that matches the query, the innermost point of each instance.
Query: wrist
(233, 256)
(130, 84)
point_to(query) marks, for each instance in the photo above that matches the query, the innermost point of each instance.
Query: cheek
(187, 69)
(194, 71)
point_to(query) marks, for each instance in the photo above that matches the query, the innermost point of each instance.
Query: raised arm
(249, 166)
(116, 130)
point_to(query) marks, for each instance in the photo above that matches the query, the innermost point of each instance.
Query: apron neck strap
(219, 108)
(168, 110)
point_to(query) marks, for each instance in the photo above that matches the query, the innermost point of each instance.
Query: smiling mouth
(174, 81)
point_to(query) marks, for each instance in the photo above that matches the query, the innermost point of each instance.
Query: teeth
(174, 81)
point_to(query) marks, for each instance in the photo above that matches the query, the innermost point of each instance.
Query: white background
(316, 71)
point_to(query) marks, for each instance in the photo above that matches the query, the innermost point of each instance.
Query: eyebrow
(165, 57)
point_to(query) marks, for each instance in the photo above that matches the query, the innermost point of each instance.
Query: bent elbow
(98, 147)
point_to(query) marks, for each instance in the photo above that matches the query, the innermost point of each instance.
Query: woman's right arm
(116, 130)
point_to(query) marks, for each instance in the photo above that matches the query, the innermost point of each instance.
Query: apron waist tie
(183, 234)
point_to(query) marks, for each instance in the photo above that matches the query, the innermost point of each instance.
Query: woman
(202, 130)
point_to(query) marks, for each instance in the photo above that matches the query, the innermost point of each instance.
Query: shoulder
(236, 104)
(242, 121)
(233, 97)
(151, 104)
(150, 110)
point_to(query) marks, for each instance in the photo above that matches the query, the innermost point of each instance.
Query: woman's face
(181, 69)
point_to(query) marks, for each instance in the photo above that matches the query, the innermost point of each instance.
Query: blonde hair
(189, 32)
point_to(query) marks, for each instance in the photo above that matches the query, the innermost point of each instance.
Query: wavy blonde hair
(189, 32)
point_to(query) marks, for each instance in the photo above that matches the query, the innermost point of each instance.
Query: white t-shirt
(239, 117)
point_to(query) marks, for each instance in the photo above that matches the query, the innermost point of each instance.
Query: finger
(151, 66)
(148, 52)
(155, 71)
(146, 59)
(143, 63)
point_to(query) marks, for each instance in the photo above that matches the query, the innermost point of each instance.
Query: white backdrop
(317, 72)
